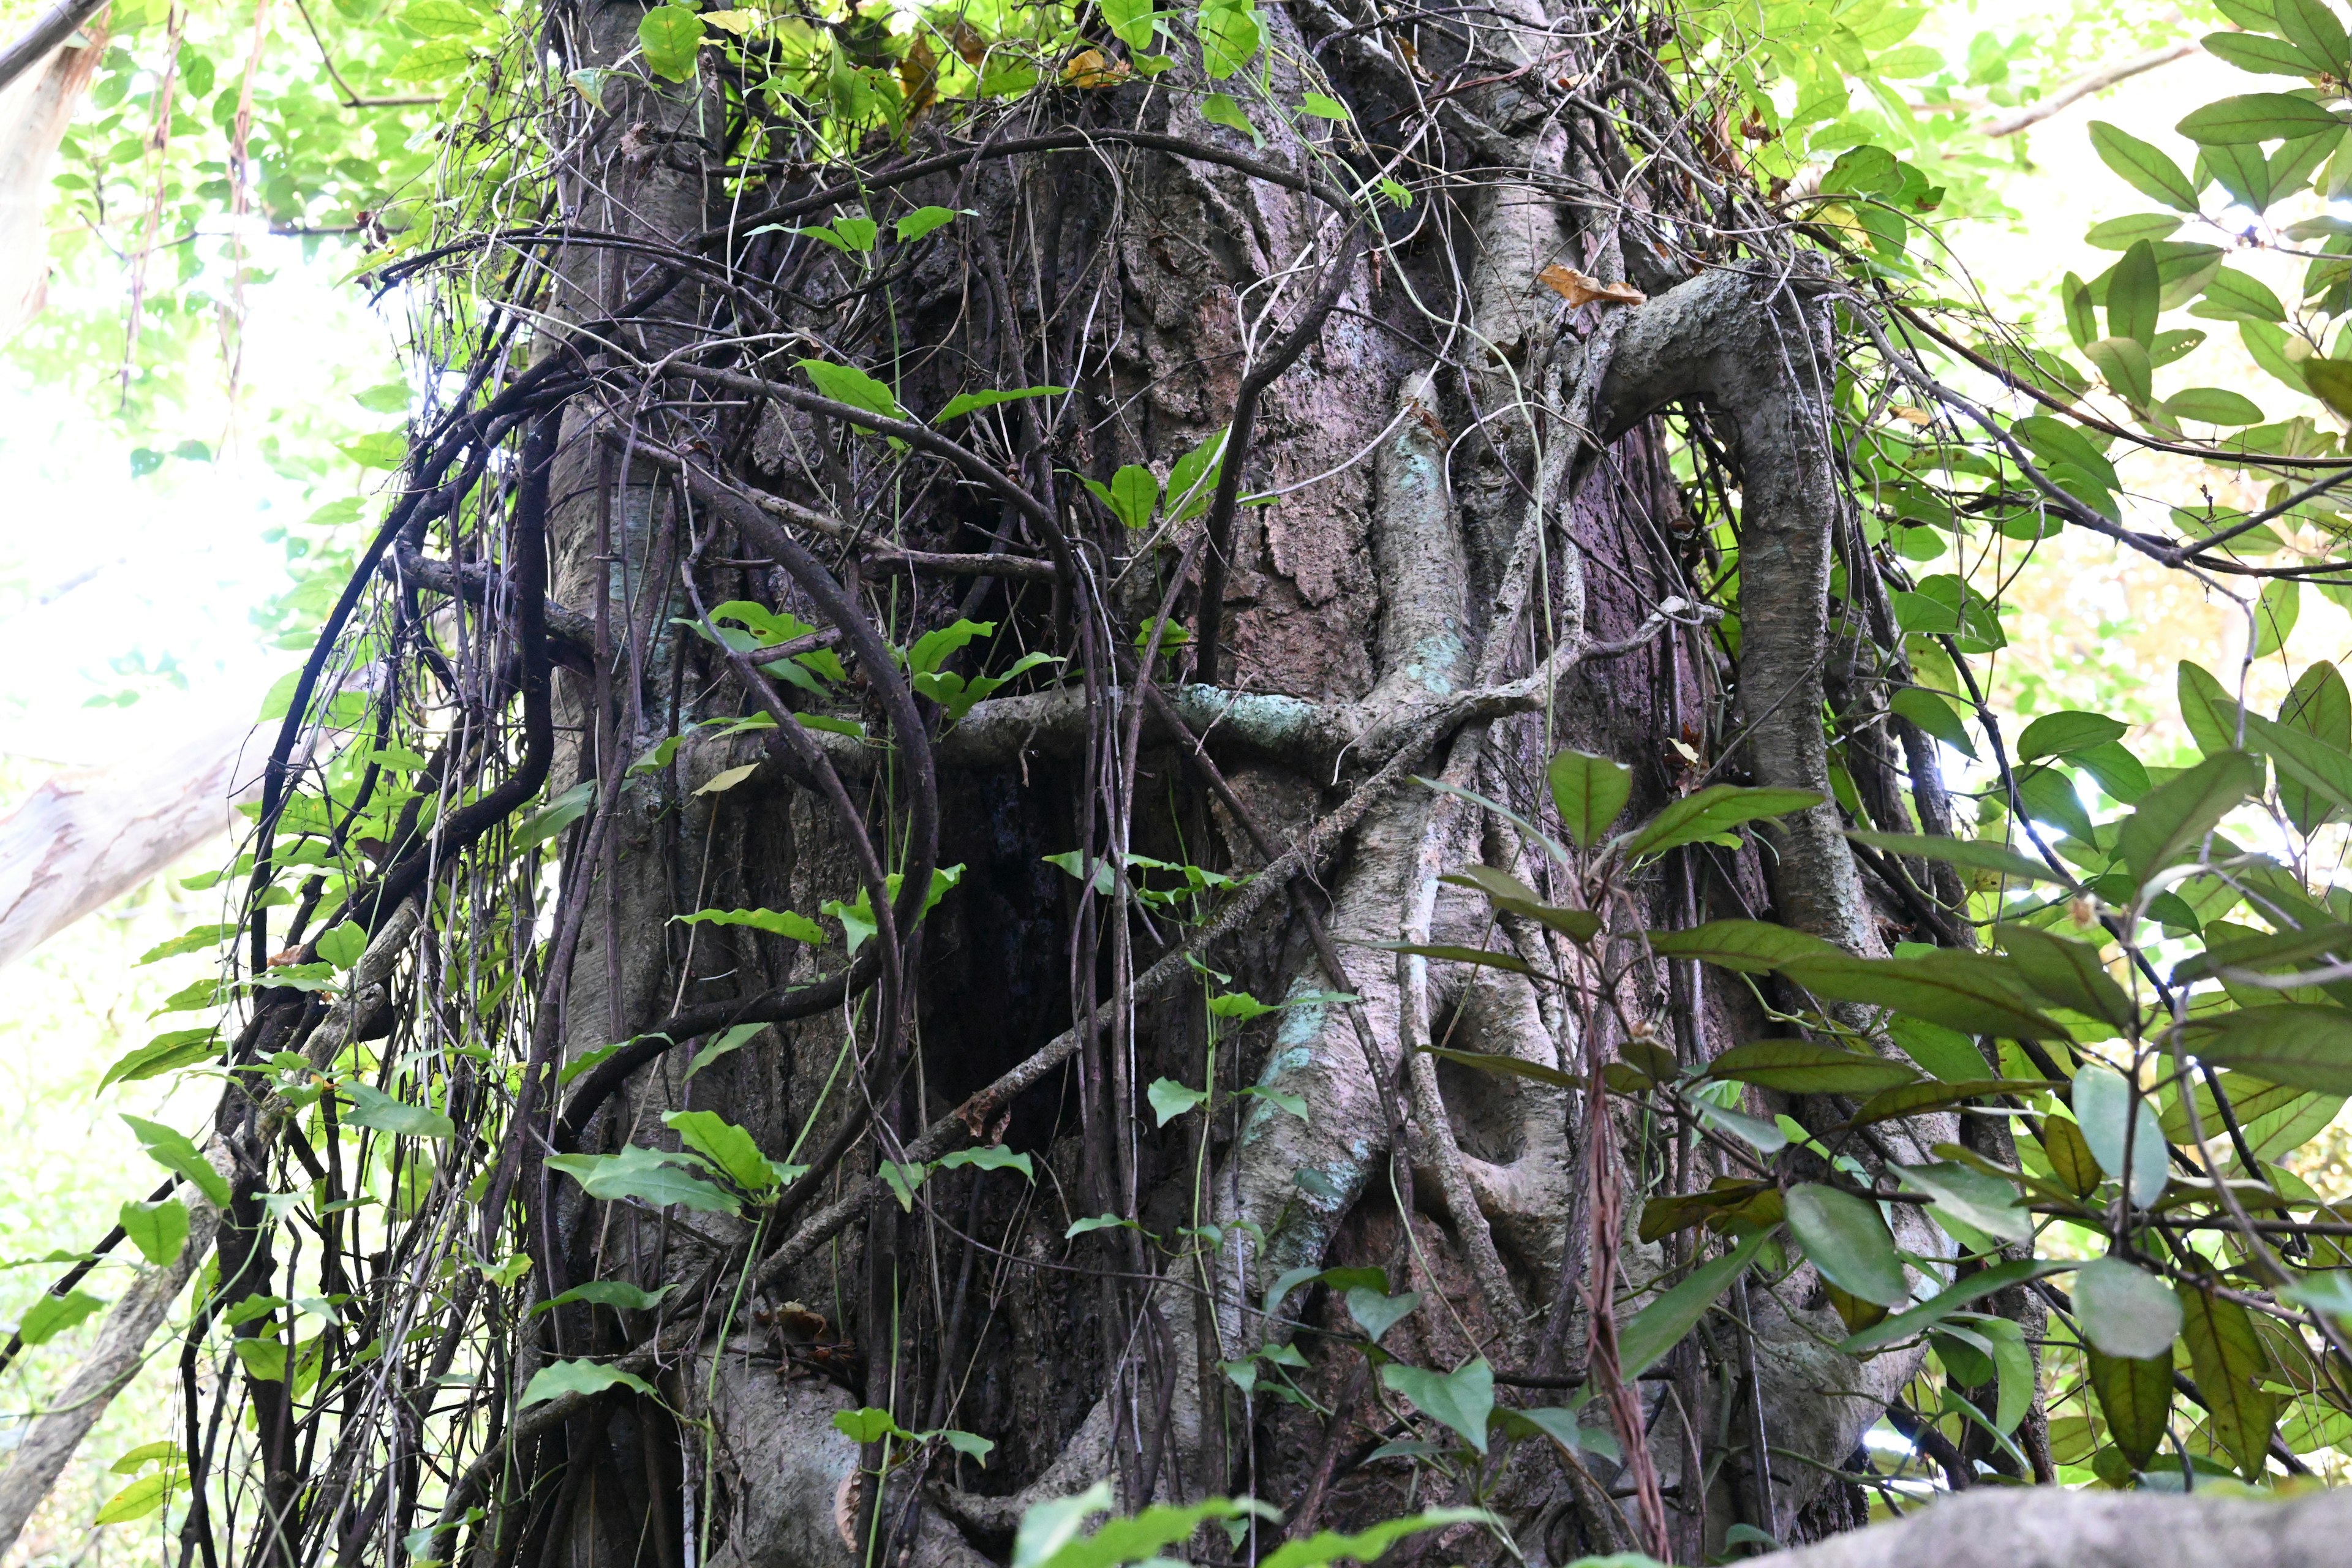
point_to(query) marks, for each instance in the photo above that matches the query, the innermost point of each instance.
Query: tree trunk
(772, 591)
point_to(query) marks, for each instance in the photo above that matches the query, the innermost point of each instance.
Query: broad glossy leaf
(2280, 605)
(2236, 296)
(2319, 707)
(2171, 821)
(2214, 405)
(2312, 29)
(1750, 947)
(1376, 1313)
(2124, 1310)
(1328, 1546)
(1130, 20)
(1461, 1399)
(371, 1106)
(1982, 1202)
(1972, 854)
(2134, 1394)
(1709, 816)
(1503, 1066)
(847, 384)
(1590, 792)
(2134, 295)
(964, 403)
(2257, 117)
(1952, 1298)
(559, 1378)
(2147, 167)
(1229, 39)
(1809, 1066)
(1848, 1242)
(618, 1294)
(2069, 1153)
(167, 1052)
(2253, 52)
(671, 36)
(1935, 716)
(175, 1151)
(2066, 974)
(50, 1315)
(1132, 495)
(157, 1229)
(2108, 1112)
(2230, 1364)
(1643, 1340)
(725, 1145)
(2059, 734)
(2306, 1044)
(1973, 992)
(644, 1175)
(1919, 1099)
(775, 923)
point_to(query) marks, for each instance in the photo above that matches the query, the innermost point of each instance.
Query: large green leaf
(2230, 1365)
(2125, 1312)
(2060, 734)
(645, 1174)
(2257, 117)
(2307, 1045)
(1589, 791)
(371, 1106)
(157, 1229)
(847, 384)
(1461, 1399)
(1809, 1066)
(1643, 1340)
(559, 1378)
(1493, 1062)
(2320, 707)
(2135, 1393)
(2134, 295)
(2314, 31)
(2146, 167)
(1970, 992)
(1952, 1298)
(176, 1151)
(2207, 709)
(1848, 1242)
(1748, 947)
(775, 923)
(2323, 769)
(725, 1145)
(1974, 854)
(671, 36)
(1328, 1546)
(2066, 974)
(2171, 821)
(1229, 38)
(2253, 52)
(1919, 1099)
(1709, 816)
(2110, 1115)
(1977, 1199)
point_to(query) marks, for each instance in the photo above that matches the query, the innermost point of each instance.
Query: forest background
(191, 422)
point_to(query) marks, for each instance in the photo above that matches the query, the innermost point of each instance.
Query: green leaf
(264, 1359)
(847, 384)
(1219, 108)
(776, 922)
(1324, 108)
(867, 1426)
(1934, 715)
(2214, 405)
(1952, 1298)
(559, 1378)
(728, 1042)
(1590, 792)
(1970, 992)
(645, 1174)
(2105, 1108)
(2147, 168)
(1919, 1099)
(2320, 707)
(995, 1157)
(2253, 52)
(1229, 38)
(671, 36)
(2125, 366)
(1809, 1066)
(2134, 1394)
(2230, 1365)
(1376, 1313)
(2275, 615)
(2306, 1044)
(2257, 117)
(1170, 1100)
(1327, 1546)
(158, 1230)
(2236, 296)
(1848, 1242)
(50, 1316)
(2066, 974)
(2171, 821)
(1643, 1340)
(343, 946)
(2120, 233)
(166, 1052)
(904, 1178)
(618, 1294)
(1974, 854)
(143, 1497)
(554, 817)
(922, 221)
(727, 1146)
(173, 1149)
(1747, 947)
(933, 647)
(1445, 952)
(2070, 1156)
(2134, 295)
(1461, 1399)
(197, 941)
(963, 403)
(1131, 495)
(1981, 1201)
(2063, 733)
(1709, 816)
(1505, 1065)
(371, 1106)
(2125, 1312)
(1130, 20)
(2208, 710)
(2313, 30)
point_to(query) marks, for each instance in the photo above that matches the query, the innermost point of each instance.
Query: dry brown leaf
(1088, 69)
(1578, 290)
(1910, 415)
(969, 43)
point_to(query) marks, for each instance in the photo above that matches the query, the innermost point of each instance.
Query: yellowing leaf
(1088, 69)
(742, 24)
(722, 782)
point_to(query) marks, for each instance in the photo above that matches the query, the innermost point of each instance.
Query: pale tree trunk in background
(33, 112)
